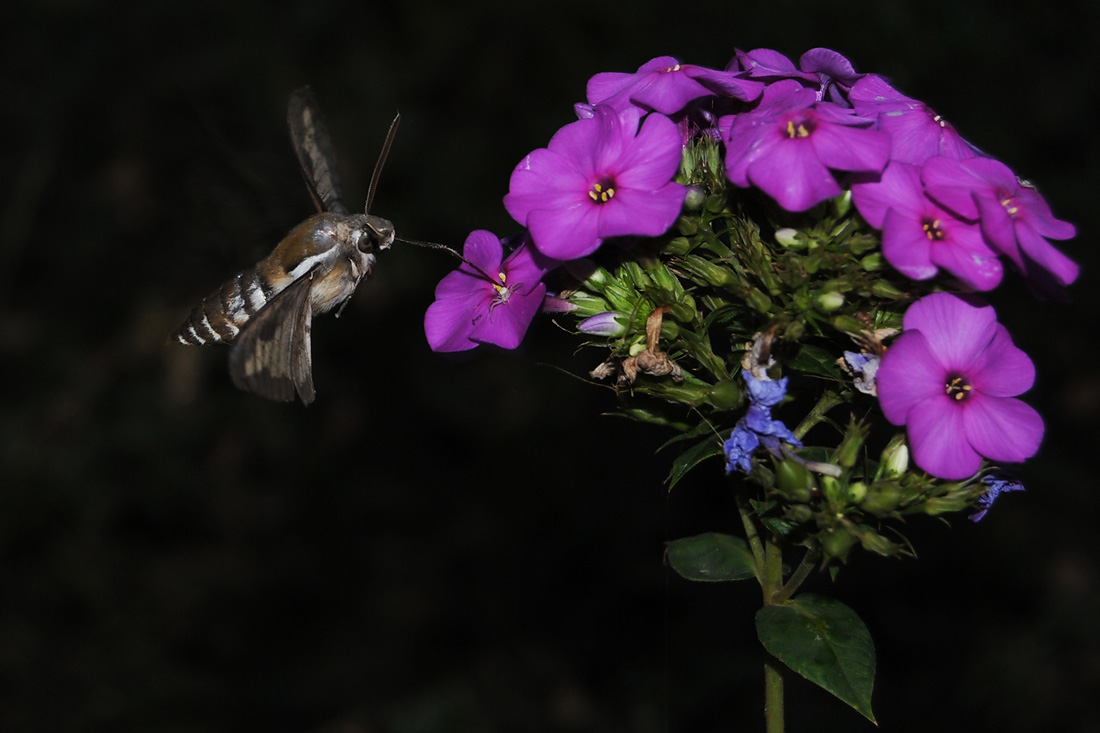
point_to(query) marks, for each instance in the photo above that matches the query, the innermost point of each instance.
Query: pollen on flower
(934, 229)
(800, 130)
(958, 388)
(670, 69)
(1009, 205)
(602, 192)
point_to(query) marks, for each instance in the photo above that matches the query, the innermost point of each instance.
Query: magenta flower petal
(913, 374)
(790, 143)
(951, 378)
(957, 331)
(599, 177)
(667, 86)
(938, 438)
(487, 301)
(1004, 369)
(1003, 429)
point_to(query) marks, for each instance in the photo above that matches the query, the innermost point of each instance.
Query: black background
(452, 543)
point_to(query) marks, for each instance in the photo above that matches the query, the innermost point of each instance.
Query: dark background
(458, 543)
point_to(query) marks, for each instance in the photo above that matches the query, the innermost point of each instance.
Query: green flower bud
(707, 271)
(842, 204)
(794, 481)
(664, 278)
(677, 246)
(759, 301)
(883, 497)
(849, 450)
(857, 491)
(873, 262)
(848, 324)
(684, 312)
(836, 543)
(633, 272)
(830, 487)
(799, 514)
(876, 543)
(886, 290)
(725, 395)
(587, 304)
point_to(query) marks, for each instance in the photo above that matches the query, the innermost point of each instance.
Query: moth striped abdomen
(220, 316)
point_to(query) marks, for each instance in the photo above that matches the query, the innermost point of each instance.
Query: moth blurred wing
(271, 356)
(313, 146)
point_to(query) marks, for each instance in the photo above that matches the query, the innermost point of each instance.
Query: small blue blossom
(758, 428)
(862, 367)
(997, 486)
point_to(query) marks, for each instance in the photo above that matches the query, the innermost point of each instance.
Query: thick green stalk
(771, 584)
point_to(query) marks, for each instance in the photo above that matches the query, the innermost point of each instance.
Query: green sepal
(824, 641)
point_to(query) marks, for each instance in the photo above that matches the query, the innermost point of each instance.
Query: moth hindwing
(267, 310)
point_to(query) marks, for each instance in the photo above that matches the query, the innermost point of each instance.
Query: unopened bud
(895, 457)
(788, 237)
(694, 200)
(829, 302)
(603, 324)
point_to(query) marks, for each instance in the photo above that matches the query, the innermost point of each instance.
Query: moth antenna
(381, 161)
(445, 248)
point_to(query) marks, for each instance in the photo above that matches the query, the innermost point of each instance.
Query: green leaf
(816, 360)
(711, 557)
(691, 458)
(824, 641)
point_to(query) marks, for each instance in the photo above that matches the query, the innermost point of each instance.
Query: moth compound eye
(367, 241)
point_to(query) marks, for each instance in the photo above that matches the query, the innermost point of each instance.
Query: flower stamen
(958, 388)
(602, 191)
(800, 130)
(933, 228)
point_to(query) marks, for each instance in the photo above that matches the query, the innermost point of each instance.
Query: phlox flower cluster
(949, 218)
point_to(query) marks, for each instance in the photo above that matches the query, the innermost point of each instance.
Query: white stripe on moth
(195, 335)
(256, 297)
(236, 305)
(209, 328)
(307, 264)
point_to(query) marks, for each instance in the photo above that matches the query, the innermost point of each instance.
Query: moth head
(373, 233)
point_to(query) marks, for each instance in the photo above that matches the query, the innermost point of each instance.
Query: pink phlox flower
(667, 86)
(951, 378)
(790, 144)
(599, 177)
(916, 132)
(920, 237)
(492, 306)
(829, 73)
(1015, 219)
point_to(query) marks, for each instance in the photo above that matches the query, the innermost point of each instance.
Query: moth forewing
(271, 356)
(315, 151)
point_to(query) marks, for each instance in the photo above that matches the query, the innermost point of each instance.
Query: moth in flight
(265, 312)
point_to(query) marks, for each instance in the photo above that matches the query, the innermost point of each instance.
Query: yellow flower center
(958, 388)
(933, 229)
(602, 191)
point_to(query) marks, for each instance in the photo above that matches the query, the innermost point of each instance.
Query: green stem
(828, 401)
(773, 676)
(773, 696)
(800, 574)
(752, 535)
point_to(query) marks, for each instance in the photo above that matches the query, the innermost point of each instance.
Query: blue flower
(758, 428)
(997, 486)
